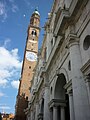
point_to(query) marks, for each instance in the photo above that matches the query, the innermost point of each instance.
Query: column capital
(57, 102)
(72, 40)
(55, 106)
(69, 92)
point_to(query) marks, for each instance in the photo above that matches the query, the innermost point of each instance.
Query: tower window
(29, 67)
(34, 33)
(26, 97)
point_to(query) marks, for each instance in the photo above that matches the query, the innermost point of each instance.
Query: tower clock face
(31, 56)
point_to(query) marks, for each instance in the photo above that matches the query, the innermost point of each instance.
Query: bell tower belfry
(29, 63)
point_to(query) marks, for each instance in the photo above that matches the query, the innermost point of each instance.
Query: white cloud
(6, 42)
(15, 84)
(4, 9)
(1, 94)
(3, 82)
(4, 107)
(3, 12)
(27, 2)
(9, 59)
(10, 65)
(14, 8)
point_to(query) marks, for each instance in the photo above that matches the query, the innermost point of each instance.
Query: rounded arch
(86, 42)
(59, 91)
(34, 32)
(63, 71)
(60, 72)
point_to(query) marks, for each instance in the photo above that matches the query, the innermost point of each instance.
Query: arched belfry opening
(61, 99)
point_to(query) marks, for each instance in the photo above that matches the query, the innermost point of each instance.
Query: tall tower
(29, 63)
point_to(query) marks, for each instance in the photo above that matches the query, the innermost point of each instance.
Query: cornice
(35, 27)
(86, 68)
(64, 15)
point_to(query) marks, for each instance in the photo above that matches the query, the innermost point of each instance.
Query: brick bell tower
(29, 63)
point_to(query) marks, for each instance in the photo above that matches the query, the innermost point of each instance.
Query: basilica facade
(60, 87)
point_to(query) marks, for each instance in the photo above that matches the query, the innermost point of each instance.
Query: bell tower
(30, 55)
(29, 63)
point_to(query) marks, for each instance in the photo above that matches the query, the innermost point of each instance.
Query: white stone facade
(61, 83)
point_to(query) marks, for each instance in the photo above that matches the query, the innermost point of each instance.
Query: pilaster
(71, 105)
(37, 111)
(55, 113)
(62, 113)
(81, 104)
(46, 99)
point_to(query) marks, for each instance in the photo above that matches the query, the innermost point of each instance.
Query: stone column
(51, 114)
(37, 111)
(87, 81)
(71, 106)
(31, 116)
(62, 113)
(81, 103)
(55, 113)
(46, 101)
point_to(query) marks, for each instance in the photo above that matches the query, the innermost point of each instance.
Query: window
(26, 97)
(51, 90)
(69, 66)
(29, 67)
(51, 43)
(86, 43)
(34, 33)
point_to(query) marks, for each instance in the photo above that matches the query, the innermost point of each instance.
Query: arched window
(86, 43)
(34, 33)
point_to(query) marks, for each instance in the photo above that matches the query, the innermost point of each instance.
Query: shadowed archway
(60, 95)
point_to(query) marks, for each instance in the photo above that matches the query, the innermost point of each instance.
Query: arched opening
(86, 43)
(34, 33)
(60, 95)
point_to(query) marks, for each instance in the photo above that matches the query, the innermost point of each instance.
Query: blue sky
(14, 20)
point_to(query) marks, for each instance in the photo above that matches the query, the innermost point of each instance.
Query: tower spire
(36, 11)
